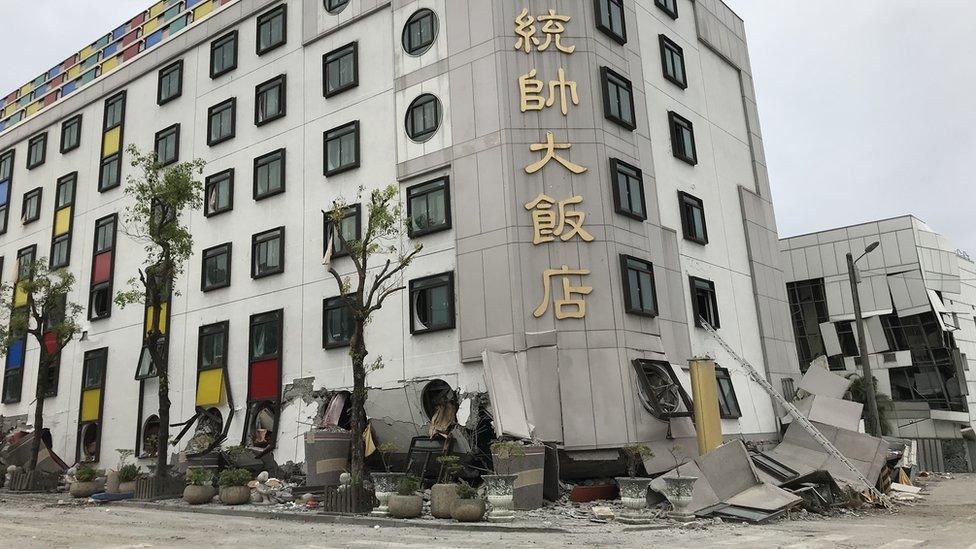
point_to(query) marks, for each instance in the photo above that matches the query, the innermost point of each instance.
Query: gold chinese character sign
(567, 307)
(547, 225)
(553, 27)
(550, 146)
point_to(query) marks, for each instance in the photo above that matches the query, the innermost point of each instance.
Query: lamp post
(862, 340)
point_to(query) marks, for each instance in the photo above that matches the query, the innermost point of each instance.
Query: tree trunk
(358, 352)
(41, 388)
(162, 439)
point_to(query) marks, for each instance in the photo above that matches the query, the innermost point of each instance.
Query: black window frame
(416, 50)
(219, 43)
(33, 194)
(107, 286)
(163, 134)
(210, 253)
(427, 283)
(617, 168)
(260, 238)
(218, 108)
(7, 176)
(643, 266)
(63, 181)
(354, 210)
(73, 122)
(335, 6)
(32, 160)
(712, 295)
(417, 190)
(427, 132)
(112, 162)
(686, 201)
(666, 383)
(332, 304)
(164, 74)
(607, 28)
(281, 83)
(609, 76)
(216, 179)
(726, 409)
(675, 123)
(336, 56)
(671, 10)
(337, 133)
(217, 329)
(267, 18)
(667, 45)
(263, 160)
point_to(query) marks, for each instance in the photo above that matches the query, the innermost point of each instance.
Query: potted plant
(86, 482)
(443, 495)
(233, 486)
(199, 486)
(500, 488)
(468, 507)
(528, 462)
(407, 503)
(385, 484)
(633, 489)
(679, 489)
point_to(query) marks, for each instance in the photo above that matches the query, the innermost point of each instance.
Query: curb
(323, 518)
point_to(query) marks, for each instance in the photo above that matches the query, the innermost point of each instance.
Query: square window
(109, 172)
(36, 151)
(93, 369)
(693, 218)
(223, 55)
(618, 99)
(105, 234)
(628, 189)
(340, 70)
(610, 19)
(682, 138)
(65, 193)
(640, 296)
(342, 148)
(673, 62)
(432, 303)
(337, 323)
(6, 165)
(100, 301)
(669, 7)
(272, 29)
(728, 404)
(269, 101)
(269, 174)
(114, 111)
(265, 335)
(170, 83)
(31, 209)
(168, 145)
(53, 376)
(219, 191)
(703, 301)
(350, 227)
(429, 207)
(25, 260)
(221, 122)
(213, 346)
(216, 267)
(61, 251)
(267, 253)
(71, 134)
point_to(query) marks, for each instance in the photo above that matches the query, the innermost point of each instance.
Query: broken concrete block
(821, 381)
(603, 513)
(844, 414)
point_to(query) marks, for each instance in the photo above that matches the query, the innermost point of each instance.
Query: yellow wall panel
(202, 10)
(111, 143)
(10, 110)
(162, 321)
(704, 390)
(26, 89)
(91, 401)
(32, 108)
(157, 9)
(210, 387)
(20, 296)
(110, 64)
(86, 52)
(74, 71)
(150, 26)
(62, 221)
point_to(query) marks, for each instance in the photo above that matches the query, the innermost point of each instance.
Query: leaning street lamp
(873, 418)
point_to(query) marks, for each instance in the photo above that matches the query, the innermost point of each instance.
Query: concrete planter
(530, 470)
(235, 495)
(633, 494)
(384, 486)
(500, 489)
(126, 487)
(468, 510)
(86, 489)
(679, 490)
(443, 497)
(198, 495)
(404, 507)
(326, 456)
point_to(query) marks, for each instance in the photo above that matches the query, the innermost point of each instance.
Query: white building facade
(591, 259)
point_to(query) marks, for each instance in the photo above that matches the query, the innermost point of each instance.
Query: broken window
(350, 229)
(90, 411)
(440, 404)
(932, 376)
(432, 303)
(808, 310)
(703, 301)
(728, 404)
(659, 389)
(150, 434)
(264, 379)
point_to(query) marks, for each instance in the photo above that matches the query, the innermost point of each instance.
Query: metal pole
(873, 418)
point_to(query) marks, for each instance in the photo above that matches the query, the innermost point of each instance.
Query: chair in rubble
(423, 453)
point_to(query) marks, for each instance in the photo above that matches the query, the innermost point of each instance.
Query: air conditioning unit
(890, 357)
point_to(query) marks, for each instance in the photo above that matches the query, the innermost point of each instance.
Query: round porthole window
(335, 6)
(420, 32)
(423, 118)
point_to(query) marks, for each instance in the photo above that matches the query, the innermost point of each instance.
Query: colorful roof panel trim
(144, 31)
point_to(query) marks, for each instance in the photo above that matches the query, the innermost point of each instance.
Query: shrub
(385, 450)
(635, 454)
(466, 491)
(86, 473)
(409, 485)
(196, 476)
(450, 467)
(508, 449)
(234, 477)
(129, 472)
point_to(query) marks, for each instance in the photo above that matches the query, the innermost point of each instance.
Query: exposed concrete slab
(844, 414)
(820, 381)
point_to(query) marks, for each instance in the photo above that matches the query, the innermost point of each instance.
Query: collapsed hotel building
(587, 180)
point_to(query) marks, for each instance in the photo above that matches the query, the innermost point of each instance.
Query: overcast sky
(867, 106)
